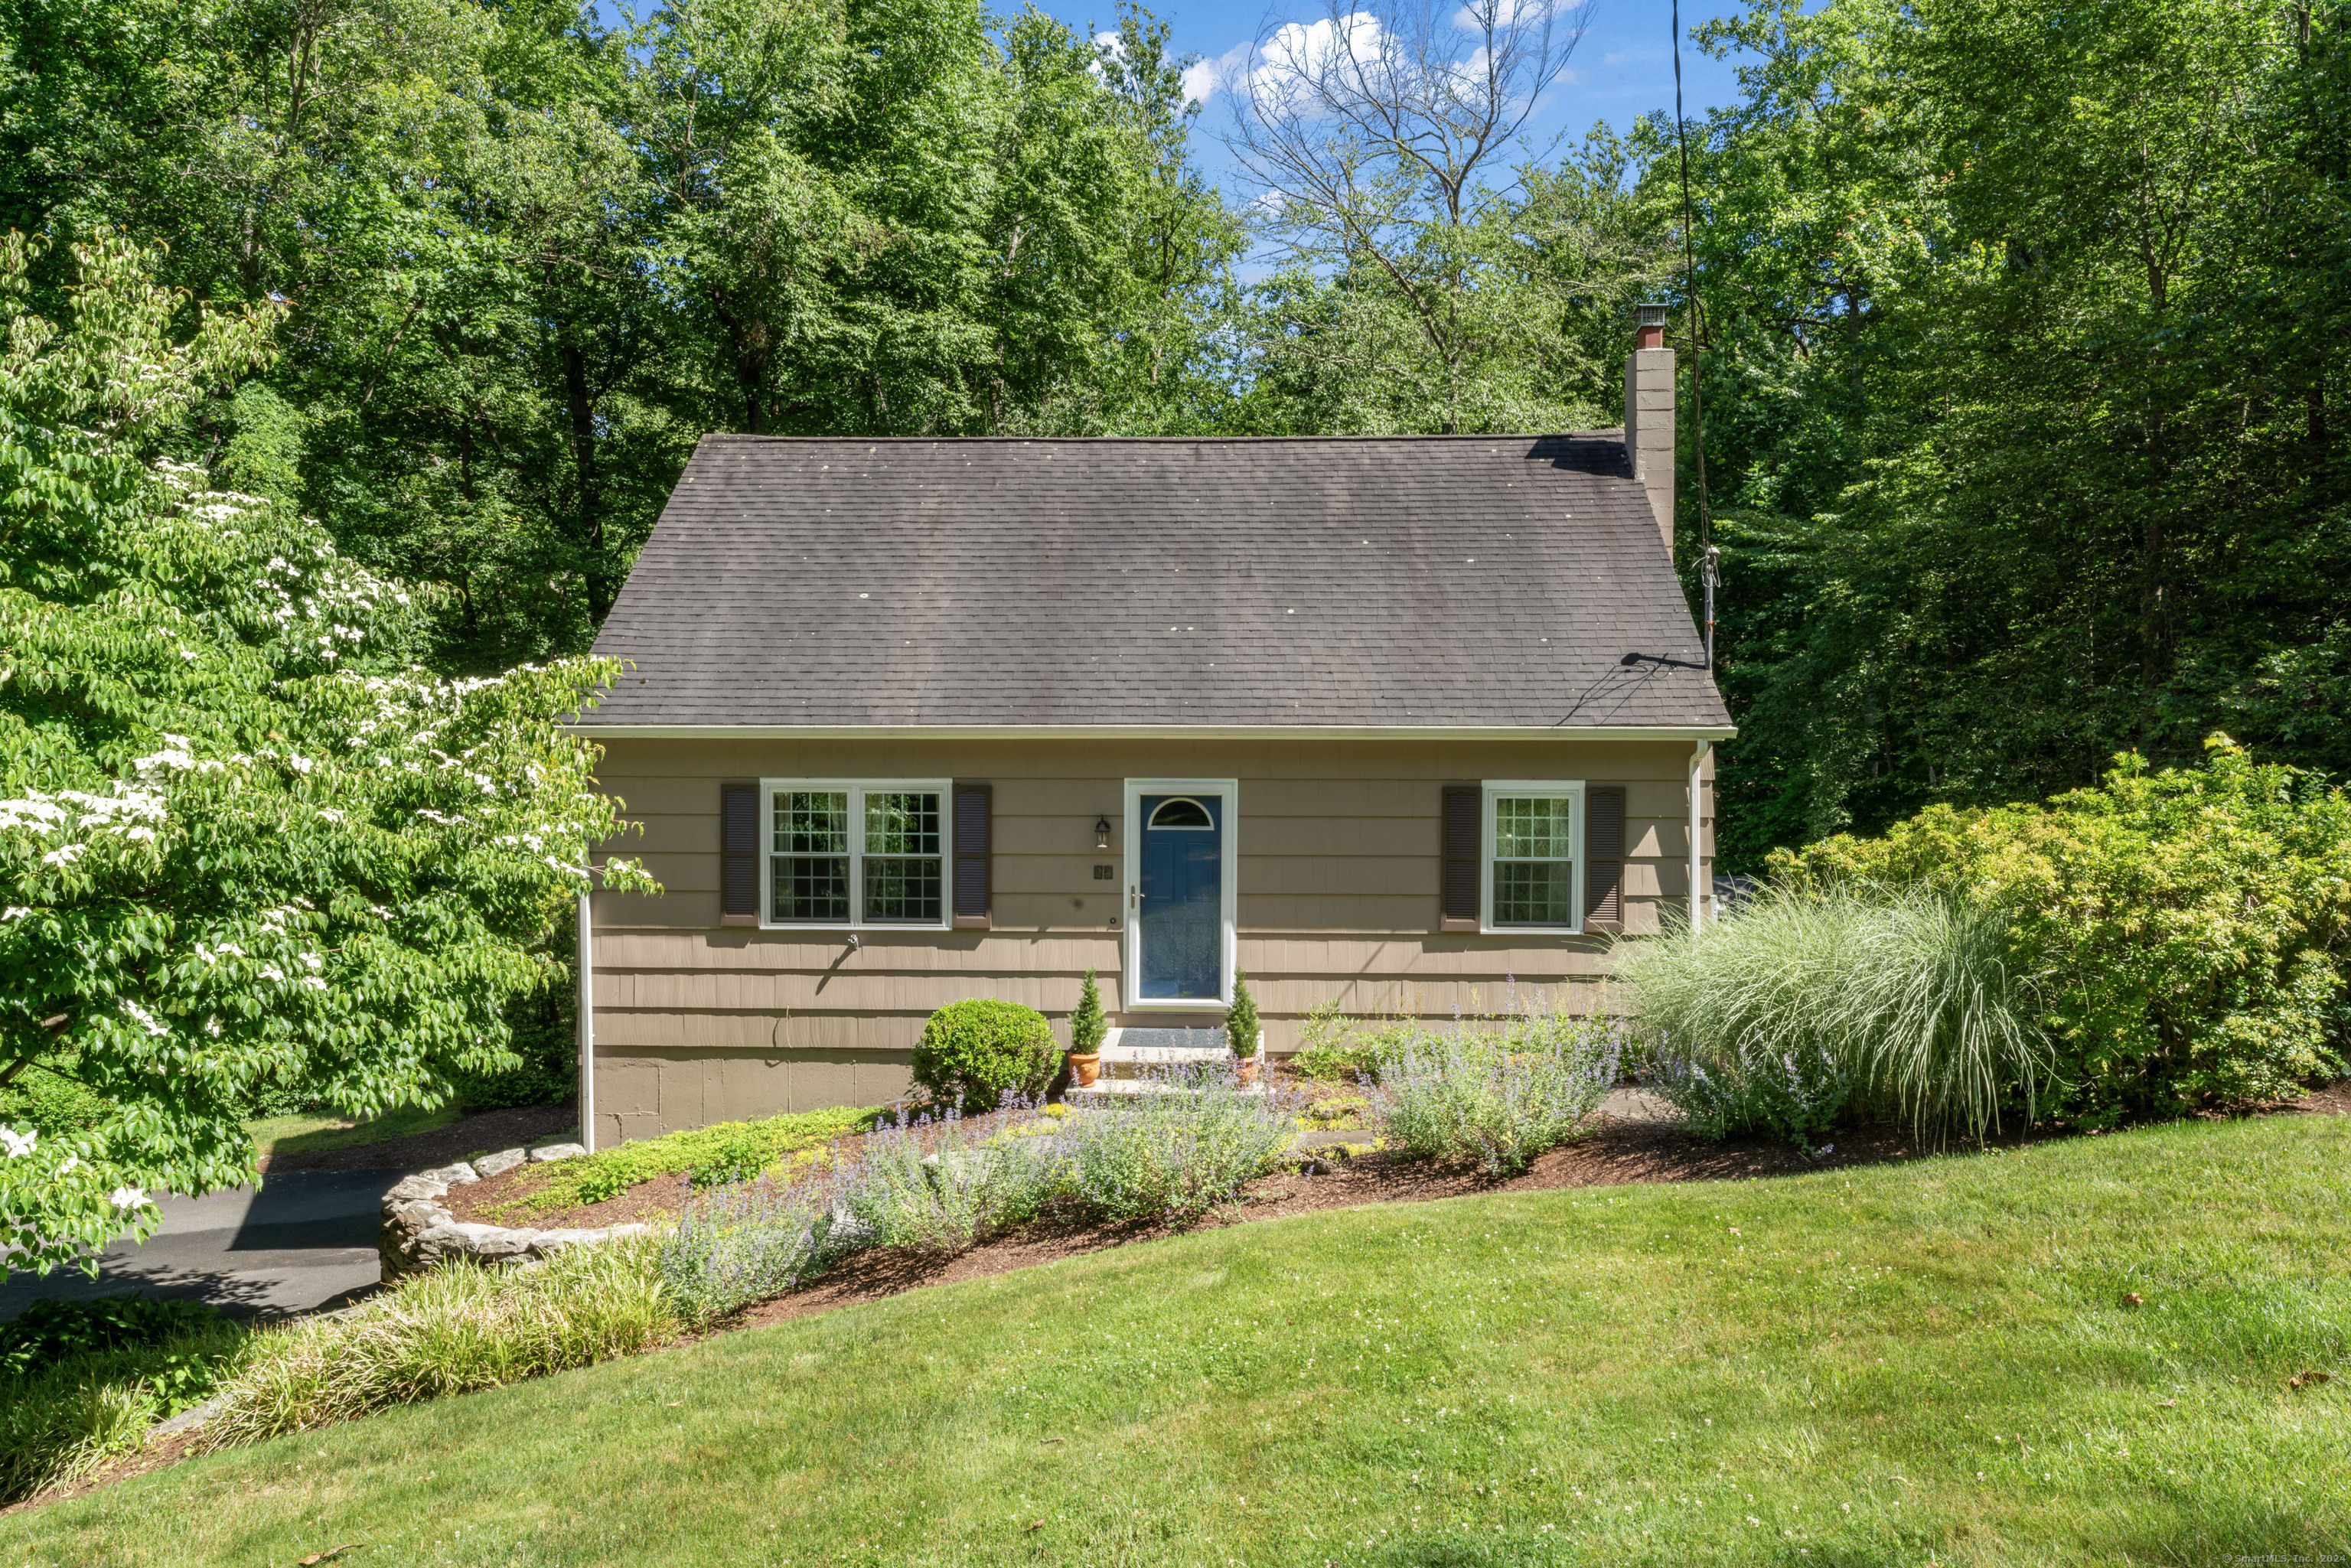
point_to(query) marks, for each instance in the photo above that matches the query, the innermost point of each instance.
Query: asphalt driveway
(300, 1241)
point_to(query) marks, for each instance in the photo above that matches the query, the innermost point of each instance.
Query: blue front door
(1180, 925)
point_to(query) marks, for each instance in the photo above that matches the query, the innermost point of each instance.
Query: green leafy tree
(2022, 429)
(1428, 275)
(245, 844)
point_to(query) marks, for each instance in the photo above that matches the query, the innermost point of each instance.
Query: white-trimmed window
(857, 852)
(1531, 861)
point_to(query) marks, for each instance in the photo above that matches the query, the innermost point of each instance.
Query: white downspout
(587, 1023)
(1696, 833)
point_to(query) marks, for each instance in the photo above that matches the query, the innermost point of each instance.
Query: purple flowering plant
(1497, 1088)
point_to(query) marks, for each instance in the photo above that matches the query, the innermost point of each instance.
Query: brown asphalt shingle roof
(1406, 582)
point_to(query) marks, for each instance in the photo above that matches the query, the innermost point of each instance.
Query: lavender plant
(941, 1183)
(1500, 1088)
(1796, 1094)
(1175, 1150)
(744, 1242)
(918, 1184)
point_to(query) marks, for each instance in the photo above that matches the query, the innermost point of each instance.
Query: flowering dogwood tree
(243, 842)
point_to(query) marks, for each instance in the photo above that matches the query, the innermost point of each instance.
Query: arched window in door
(1182, 812)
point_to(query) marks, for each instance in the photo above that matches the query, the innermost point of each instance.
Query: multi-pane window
(857, 854)
(904, 877)
(1531, 856)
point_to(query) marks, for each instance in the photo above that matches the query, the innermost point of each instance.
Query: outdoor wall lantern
(1102, 832)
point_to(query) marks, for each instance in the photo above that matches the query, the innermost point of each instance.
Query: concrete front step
(1107, 1088)
(1128, 1052)
(1331, 1138)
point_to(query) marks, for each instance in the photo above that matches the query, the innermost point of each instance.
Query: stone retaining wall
(418, 1233)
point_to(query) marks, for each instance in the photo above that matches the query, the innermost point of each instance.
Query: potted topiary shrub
(973, 1053)
(1087, 1027)
(1241, 1030)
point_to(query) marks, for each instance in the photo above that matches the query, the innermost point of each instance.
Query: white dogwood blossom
(253, 894)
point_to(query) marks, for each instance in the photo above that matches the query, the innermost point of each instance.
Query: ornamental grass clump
(1498, 1090)
(1176, 1150)
(456, 1330)
(1907, 992)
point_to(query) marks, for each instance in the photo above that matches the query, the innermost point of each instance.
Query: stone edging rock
(419, 1233)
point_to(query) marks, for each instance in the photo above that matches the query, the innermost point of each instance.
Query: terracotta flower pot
(1084, 1069)
(1248, 1066)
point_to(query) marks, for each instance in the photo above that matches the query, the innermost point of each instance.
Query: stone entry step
(1134, 1060)
(1107, 1088)
(1128, 1048)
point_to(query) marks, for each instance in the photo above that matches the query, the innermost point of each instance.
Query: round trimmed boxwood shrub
(974, 1052)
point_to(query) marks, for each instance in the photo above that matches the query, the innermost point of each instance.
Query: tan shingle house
(1386, 720)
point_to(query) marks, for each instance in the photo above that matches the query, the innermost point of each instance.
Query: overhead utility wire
(1709, 559)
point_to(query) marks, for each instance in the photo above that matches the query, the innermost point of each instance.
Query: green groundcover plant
(82, 1382)
(722, 1153)
(2185, 928)
(247, 848)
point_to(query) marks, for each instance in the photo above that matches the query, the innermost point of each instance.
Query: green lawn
(302, 1130)
(1894, 1365)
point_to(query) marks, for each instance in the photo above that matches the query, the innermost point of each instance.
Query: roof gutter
(1699, 733)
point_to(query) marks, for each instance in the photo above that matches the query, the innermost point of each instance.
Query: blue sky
(1622, 70)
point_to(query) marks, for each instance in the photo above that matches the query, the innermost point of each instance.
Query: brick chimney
(1649, 416)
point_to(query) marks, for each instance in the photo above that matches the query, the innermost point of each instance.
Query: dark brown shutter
(1604, 857)
(738, 855)
(1463, 805)
(974, 804)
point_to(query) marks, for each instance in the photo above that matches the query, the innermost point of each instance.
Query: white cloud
(1308, 48)
(1203, 78)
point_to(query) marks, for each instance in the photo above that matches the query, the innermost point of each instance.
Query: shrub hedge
(2185, 928)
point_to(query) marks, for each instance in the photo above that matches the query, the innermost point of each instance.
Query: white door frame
(1229, 791)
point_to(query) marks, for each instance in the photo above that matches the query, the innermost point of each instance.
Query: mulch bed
(1619, 1153)
(486, 1200)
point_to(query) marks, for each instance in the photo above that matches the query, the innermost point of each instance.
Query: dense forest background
(2022, 343)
